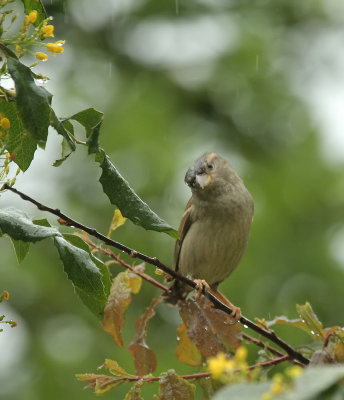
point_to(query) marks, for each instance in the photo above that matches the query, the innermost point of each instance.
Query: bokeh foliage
(162, 109)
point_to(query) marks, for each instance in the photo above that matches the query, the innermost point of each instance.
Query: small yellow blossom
(41, 56)
(278, 378)
(6, 295)
(217, 365)
(8, 155)
(5, 123)
(48, 30)
(276, 388)
(18, 47)
(31, 18)
(56, 47)
(241, 353)
(294, 372)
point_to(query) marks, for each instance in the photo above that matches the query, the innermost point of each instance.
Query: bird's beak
(196, 176)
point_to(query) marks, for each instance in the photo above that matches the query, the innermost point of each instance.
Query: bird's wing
(183, 229)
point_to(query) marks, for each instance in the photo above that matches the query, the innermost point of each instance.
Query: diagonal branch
(270, 334)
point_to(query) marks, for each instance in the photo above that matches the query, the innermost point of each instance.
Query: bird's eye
(210, 165)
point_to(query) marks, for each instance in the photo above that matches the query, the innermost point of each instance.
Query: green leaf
(33, 102)
(19, 226)
(17, 140)
(123, 196)
(84, 274)
(21, 249)
(35, 5)
(309, 317)
(104, 270)
(173, 387)
(68, 144)
(240, 391)
(314, 381)
(91, 119)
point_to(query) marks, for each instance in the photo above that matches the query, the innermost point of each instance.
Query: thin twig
(270, 334)
(112, 255)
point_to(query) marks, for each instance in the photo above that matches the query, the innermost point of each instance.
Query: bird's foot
(200, 285)
(236, 314)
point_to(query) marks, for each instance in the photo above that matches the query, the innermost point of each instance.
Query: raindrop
(312, 332)
(245, 326)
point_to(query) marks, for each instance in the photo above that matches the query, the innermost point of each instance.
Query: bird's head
(208, 172)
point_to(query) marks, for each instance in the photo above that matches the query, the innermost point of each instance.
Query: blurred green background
(261, 83)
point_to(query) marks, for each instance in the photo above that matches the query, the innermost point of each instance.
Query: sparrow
(215, 227)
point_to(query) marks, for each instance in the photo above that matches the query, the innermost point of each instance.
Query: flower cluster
(229, 369)
(31, 35)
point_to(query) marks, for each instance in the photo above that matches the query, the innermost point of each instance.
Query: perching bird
(215, 227)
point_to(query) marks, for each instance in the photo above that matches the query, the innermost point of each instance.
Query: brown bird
(215, 227)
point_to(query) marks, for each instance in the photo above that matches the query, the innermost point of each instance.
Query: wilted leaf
(84, 274)
(321, 357)
(120, 297)
(145, 359)
(186, 351)
(200, 330)
(222, 325)
(114, 368)
(33, 102)
(101, 383)
(308, 315)
(135, 392)
(117, 221)
(123, 196)
(172, 387)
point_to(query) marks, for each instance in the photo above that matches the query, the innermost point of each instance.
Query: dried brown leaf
(144, 357)
(222, 325)
(186, 351)
(173, 387)
(199, 329)
(122, 286)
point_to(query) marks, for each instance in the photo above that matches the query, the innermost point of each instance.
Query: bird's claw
(200, 285)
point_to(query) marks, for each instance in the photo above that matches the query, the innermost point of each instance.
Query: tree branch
(270, 334)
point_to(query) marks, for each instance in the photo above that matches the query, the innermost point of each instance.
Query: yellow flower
(5, 123)
(31, 18)
(41, 56)
(277, 378)
(17, 47)
(56, 47)
(241, 353)
(294, 372)
(217, 365)
(48, 30)
(276, 388)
